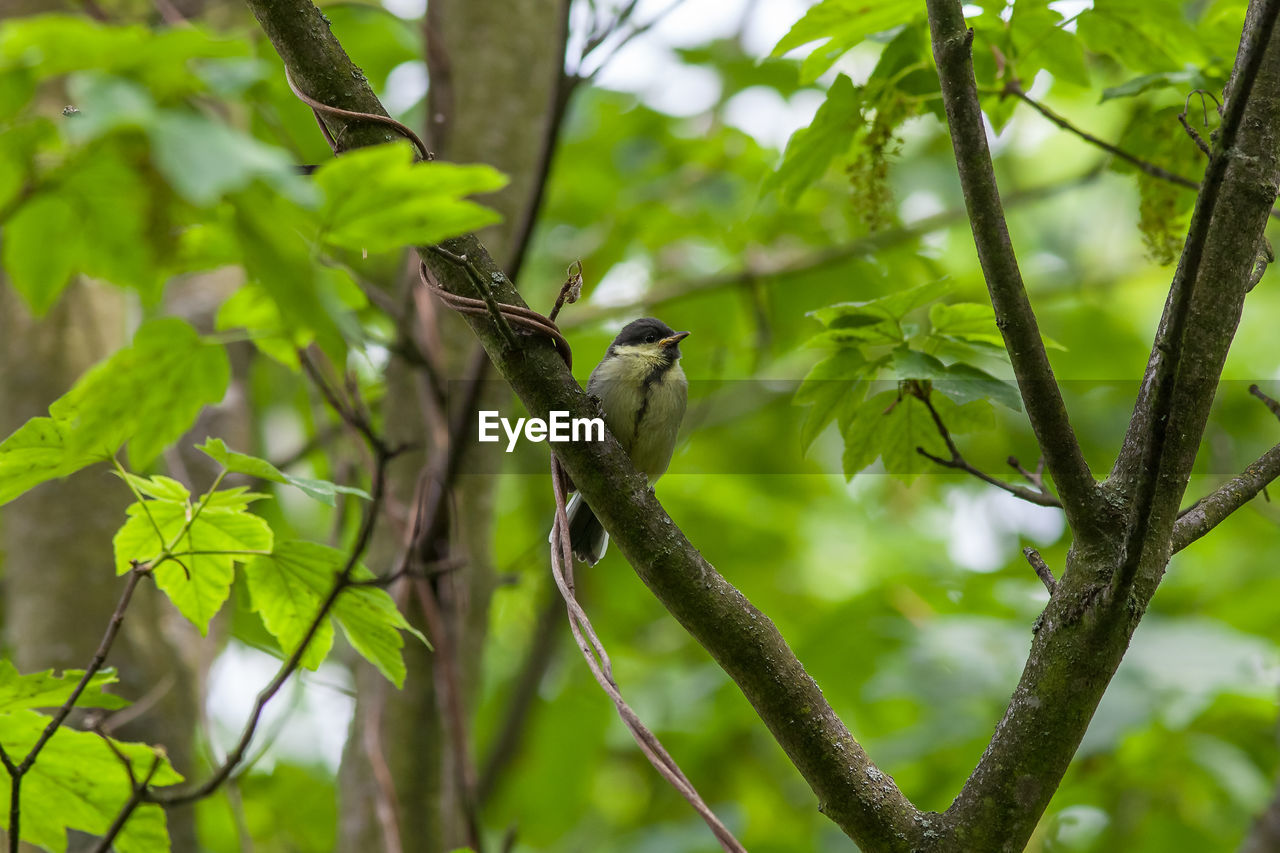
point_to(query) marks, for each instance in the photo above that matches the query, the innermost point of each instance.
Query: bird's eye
(648, 339)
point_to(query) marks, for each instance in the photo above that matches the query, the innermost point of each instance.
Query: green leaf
(893, 307)
(42, 247)
(276, 240)
(288, 595)
(1039, 41)
(36, 453)
(891, 426)
(16, 89)
(913, 364)
(237, 498)
(117, 103)
(46, 690)
(855, 330)
(194, 548)
(53, 45)
(974, 322)
(115, 207)
(250, 308)
(825, 387)
(205, 160)
(378, 199)
(840, 25)
(147, 394)
(974, 416)
(1145, 35)
(243, 463)
(98, 216)
(158, 486)
(862, 436)
(289, 586)
(1191, 78)
(811, 149)
(80, 784)
(965, 383)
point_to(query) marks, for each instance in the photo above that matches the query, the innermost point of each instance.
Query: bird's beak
(674, 339)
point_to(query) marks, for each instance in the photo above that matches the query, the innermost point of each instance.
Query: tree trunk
(495, 72)
(59, 583)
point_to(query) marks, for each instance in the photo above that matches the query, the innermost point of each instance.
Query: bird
(642, 392)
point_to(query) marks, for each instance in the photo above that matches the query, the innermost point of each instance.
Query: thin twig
(1265, 258)
(570, 291)
(317, 108)
(17, 772)
(122, 817)
(486, 292)
(378, 494)
(1145, 166)
(1186, 125)
(1035, 478)
(959, 463)
(598, 662)
(1041, 568)
(1211, 510)
(635, 32)
(1270, 402)
(521, 316)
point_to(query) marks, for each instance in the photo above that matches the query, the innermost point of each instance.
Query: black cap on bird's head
(650, 331)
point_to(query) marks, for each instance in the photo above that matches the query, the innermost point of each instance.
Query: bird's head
(648, 339)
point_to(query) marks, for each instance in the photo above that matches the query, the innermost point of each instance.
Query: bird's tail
(587, 535)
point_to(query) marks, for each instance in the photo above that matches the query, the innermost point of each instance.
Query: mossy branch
(855, 794)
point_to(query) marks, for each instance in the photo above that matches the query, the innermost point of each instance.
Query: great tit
(642, 393)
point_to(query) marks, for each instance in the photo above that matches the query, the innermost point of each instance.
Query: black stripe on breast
(654, 376)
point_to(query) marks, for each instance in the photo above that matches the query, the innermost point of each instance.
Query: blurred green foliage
(906, 597)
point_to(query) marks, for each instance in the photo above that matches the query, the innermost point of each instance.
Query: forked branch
(1039, 496)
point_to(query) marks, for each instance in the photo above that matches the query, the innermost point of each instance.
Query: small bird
(642, 393)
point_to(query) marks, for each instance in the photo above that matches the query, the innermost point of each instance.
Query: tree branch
(952, 43)
(859, 797)
(18, 771)
(959, 463)
(1204, 303)
(1210, 511)
(1041, 569)
(1144, 166)
(1086, 627)
(377, 491)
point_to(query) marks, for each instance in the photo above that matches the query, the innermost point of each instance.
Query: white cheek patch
(649, 353)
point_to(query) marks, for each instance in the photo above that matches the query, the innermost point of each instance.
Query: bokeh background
(905, 592)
